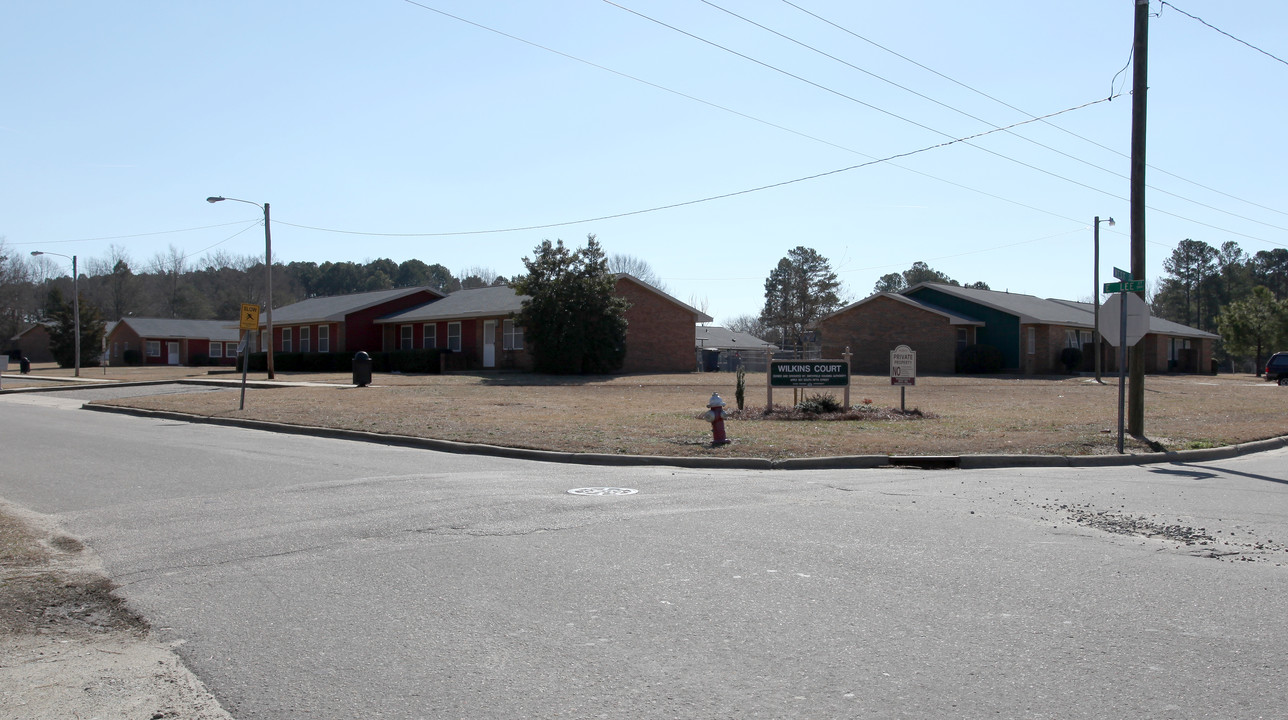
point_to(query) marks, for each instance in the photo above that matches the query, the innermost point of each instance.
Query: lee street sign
(903, 366)
(811, 373)
(249, 317)
(1129, 286)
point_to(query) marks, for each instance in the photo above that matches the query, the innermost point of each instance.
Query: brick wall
(121, 336)
(876, 327)
(659, 333)
(1051, 341)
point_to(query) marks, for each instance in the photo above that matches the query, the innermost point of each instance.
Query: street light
(75, 300)
(1095, 295)
(268, 262)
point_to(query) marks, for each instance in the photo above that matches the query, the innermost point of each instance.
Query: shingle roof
(1036, 310)
(334, 308)
(1029, 308)
(222, 330)
(954, 318)
(718, 338)
(478, 302)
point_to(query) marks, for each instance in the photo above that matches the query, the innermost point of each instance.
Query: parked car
(1277, 368)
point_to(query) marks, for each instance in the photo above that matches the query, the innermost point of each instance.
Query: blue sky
(418, 132)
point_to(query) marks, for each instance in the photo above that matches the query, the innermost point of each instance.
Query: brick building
(659, 330)
(938, 321)
(32, 343)
(479, 324)
(341, 323)
(874, 326)
(172, 341)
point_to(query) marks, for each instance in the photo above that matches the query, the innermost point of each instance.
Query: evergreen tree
(573, 319)
(1193, 267)
(801, 289)
(1254, 325)
(919, 272)
(62, 338)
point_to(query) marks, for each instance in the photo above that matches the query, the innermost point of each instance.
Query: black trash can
(24, 365)
(362, 369)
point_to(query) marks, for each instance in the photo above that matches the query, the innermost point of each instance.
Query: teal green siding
(1001, 330)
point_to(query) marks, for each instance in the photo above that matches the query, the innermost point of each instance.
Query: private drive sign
(903, 366)
(812, 373)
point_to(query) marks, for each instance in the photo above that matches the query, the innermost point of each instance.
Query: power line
(1242, 42)
(981, 93)
(718, 107)
(780, 127)
(712, 197)
(254, 223)
(900, 117)
(977, 118)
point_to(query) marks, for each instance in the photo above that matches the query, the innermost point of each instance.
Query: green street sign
(1125, 286)
(1122, 274)
(806, 373)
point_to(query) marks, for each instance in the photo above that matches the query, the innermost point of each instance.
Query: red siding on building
(358, 331)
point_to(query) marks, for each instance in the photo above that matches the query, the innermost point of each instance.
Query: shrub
(979, 359)
(820, 404)
(1070, 358)
(198, 359)
(740, 392)
(133, 357)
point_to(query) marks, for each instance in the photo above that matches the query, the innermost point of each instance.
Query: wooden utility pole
(1139, 85)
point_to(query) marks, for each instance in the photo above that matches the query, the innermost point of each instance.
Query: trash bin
(24, 365)
(362, 369)
(710, 360)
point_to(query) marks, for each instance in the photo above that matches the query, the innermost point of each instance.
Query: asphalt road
(316, 578)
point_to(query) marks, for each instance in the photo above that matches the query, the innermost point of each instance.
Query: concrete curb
(845, 462)
(212, 382)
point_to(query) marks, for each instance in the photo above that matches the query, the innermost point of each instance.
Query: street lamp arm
(221, 198)
(268, 269)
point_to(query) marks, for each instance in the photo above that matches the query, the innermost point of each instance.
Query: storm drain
(602, 491)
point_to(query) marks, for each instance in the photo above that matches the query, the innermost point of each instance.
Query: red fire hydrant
(715, 416)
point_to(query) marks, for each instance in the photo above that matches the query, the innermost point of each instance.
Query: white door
(173, 348)
(489, 343)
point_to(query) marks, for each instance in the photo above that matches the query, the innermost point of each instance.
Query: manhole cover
(603, 491)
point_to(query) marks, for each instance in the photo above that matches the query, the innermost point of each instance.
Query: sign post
(249, 324)
(1124, 328)
(903, 372)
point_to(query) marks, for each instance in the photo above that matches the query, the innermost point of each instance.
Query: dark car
(1277, 368)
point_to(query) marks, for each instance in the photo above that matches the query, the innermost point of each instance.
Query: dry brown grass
(657, 414)
(48, 374)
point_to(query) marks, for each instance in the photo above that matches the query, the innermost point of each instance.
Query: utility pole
(1139, 85)
(268, 258)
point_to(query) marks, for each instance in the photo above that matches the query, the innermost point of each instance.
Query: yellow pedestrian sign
(249, 317)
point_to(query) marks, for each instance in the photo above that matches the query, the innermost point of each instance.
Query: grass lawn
(658, 414)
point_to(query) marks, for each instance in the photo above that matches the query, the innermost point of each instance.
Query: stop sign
(1137, 318)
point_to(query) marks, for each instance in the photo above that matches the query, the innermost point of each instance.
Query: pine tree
(801, 289)
(62, 338)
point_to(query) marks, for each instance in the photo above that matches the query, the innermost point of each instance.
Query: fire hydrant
(715, 416)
